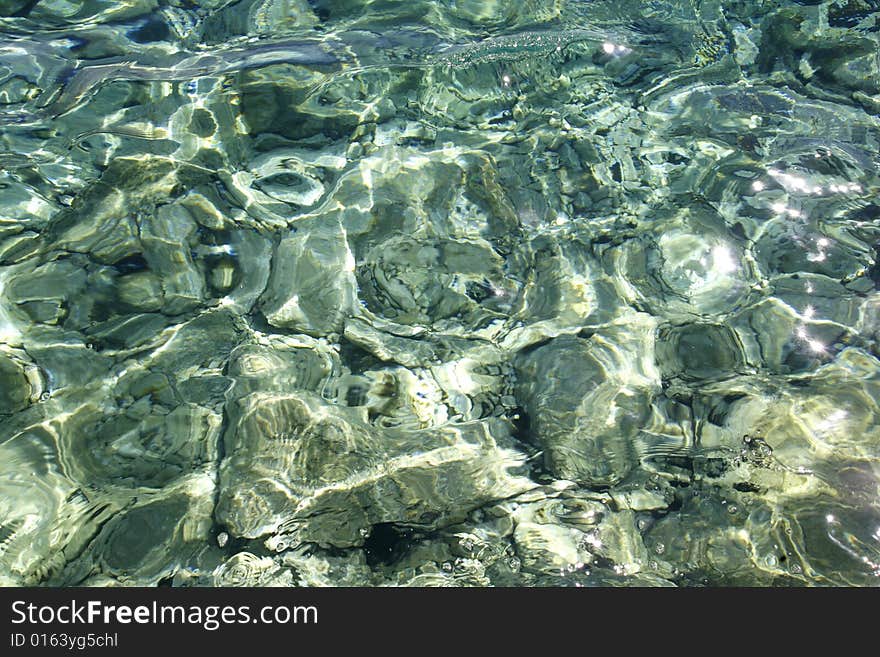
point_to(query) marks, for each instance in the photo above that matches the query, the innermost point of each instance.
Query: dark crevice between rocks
(387, 544)
(356, 358)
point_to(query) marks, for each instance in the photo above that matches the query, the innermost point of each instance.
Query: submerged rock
(586, 399)
(21, 383)
(298, 465)
(312, 287)
(166, 240)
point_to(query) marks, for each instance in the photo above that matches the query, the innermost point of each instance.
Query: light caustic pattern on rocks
(439, 293)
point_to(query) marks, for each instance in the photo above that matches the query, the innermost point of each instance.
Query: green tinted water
(439, 293)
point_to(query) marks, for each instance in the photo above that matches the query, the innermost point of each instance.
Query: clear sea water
(439, 293)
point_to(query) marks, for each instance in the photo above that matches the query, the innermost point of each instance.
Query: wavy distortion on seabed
(439, 293)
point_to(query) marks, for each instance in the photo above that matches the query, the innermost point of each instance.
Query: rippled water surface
(439, 293)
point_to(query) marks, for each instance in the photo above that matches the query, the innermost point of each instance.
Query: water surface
(439, 293)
